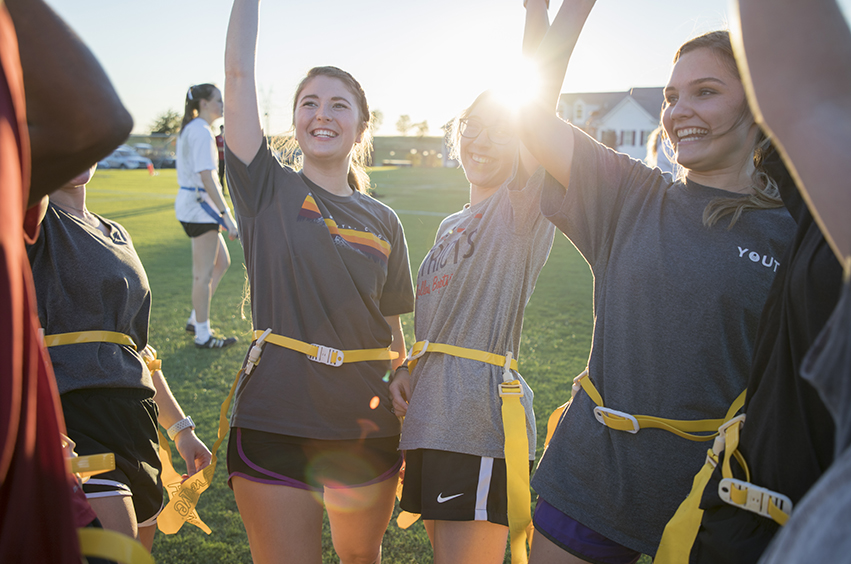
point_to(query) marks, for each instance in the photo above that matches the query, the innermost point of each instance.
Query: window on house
(627, 138)
(577, 113)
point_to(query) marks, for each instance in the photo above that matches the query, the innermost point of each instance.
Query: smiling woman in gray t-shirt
(328, 265)
(682, 268)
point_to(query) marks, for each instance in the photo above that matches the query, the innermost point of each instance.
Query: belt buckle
(255, 352)
(602, 413)
(327, 355)
(720, 442)
(758, 499)
(737, 420)
(510, 389)
(419, 353)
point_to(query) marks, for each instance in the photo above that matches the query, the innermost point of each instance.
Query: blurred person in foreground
(90, 282)
(69, 119)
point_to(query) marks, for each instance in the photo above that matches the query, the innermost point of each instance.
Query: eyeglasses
(472, 128)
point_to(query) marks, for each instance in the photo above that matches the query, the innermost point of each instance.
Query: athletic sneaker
(190, 328)
(216, 343)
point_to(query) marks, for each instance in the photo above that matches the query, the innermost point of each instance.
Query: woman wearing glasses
(472, 289)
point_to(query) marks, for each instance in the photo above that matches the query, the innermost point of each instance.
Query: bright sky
(427, 59)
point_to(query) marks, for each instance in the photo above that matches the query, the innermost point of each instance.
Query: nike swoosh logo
(441, 499)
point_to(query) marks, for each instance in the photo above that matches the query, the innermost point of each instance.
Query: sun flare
(519, 84)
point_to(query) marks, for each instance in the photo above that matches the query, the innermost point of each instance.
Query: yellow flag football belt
(320, 353)
(101, 542)
(88, 337)
(681, 530)
(112, 545)
(422, 347)
(516, 442)
(686, 429)
(183, 495)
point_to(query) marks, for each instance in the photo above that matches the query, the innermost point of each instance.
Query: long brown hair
(357, 176)
(765, 192)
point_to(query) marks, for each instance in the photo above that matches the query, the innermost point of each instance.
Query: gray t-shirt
(88, 281)
(323, 269)
(676, 308)
(472, 290)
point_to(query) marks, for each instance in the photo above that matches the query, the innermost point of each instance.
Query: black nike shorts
(452, 486)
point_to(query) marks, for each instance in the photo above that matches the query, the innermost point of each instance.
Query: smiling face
(327, 120)
(706, 116)
(487, 164)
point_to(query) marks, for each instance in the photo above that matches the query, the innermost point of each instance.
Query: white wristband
(185, 423)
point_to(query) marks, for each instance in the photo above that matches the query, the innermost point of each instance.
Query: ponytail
(192, 104)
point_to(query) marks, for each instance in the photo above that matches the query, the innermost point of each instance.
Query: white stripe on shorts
(485, 474)
(117, 488)
(153, 520)
(113, 493)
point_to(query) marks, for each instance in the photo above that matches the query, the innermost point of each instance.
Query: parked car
(125, 157)
(164, 160)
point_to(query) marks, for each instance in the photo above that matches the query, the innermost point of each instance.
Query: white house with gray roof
(622, 120)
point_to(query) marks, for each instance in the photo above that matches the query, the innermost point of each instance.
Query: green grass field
(556, 333)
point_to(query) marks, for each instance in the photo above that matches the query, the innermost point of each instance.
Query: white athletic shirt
(196, 152)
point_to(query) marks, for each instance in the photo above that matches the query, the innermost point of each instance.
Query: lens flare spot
(373, 403)
(386, 377)
(336, 469)
(367, 426)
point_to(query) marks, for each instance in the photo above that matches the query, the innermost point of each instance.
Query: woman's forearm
(537, 24)
(557, 46)
(214, 189)
(398, 344)
(170, 411)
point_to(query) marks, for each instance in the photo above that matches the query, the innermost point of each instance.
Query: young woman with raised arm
(328, 266)
(472, 290)
(607, 483)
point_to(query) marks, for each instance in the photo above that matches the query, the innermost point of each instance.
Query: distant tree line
(405, 125)
(168, 123)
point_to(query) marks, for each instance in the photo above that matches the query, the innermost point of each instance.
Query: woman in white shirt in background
(201, 208)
